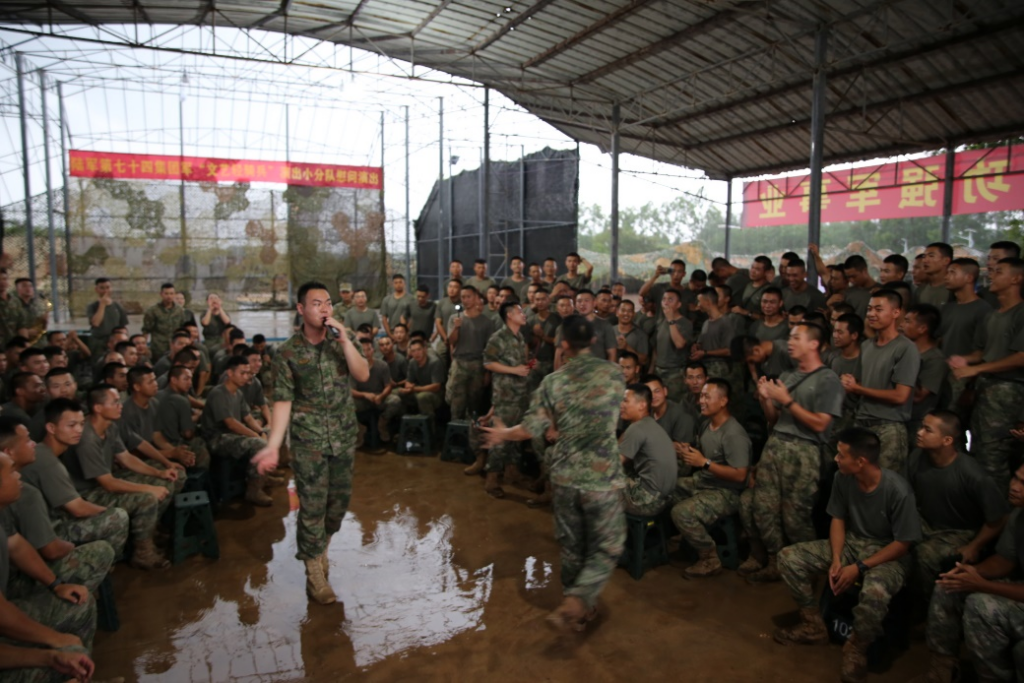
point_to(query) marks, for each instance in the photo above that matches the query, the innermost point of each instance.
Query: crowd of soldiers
(832, 422)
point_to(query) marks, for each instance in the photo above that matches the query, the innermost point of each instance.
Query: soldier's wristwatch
(862, 568)
(706, 466)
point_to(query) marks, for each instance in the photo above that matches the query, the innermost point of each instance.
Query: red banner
(202, 169)
(983, 180)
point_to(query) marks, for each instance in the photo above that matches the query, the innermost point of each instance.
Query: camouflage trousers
(324, 486)
(143, 509)
(993, 627)
(465, 388)
(237, 447)
(694, 510)
(674, 380)
(996, 408)
(893, 436)
(390, 408)
(640, 500)
(508, 452)
(778, 508)
(199, 448)
(590, 527)
(542, 369)
(935, 554)
(717, 368)
(111, 526)
(87, 565)
(800, 564)
(46, 608)
(422, 403)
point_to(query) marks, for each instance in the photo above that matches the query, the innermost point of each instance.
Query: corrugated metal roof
(719, 85)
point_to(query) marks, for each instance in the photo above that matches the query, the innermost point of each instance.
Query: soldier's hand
(955, 362)
(73, 593)
(848, 381)
(965, 372)
(968, 554)
(266, 460)
(171, 474)
(521, 370)
(457, 323)
(813, 248)
(962, 579)
(551, 434)
(1018, 433)
(158, 492)
(65, 640)
(77, 665)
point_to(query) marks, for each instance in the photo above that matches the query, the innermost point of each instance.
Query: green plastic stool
(193, 527)
(726, 534)
(646, 544)
(457, 447)
(414, 434)
(198, 480)
(231, 477)
(106, 607)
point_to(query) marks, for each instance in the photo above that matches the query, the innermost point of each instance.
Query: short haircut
(898, 260)
(101, 280)
(928, 315)
(968, 265)
(306, 287)
(696, 365)
(719, 261)
(186, 355)
(52, 352)
(797, 310)
(863, 443)
(699, 276)
(53, 333)
(136, 374)
(417, 341)
(19, 380)
(797, 263)
(855, 262)
(890, 295)
(58, 406)
(166, 285)
(577, 331)
(1007, 245)
(122, 346)
(652, 377)
(181, 334)
(515, 258)
(397, 325)
(944, 249)
(628, 302)
(772, 290)
(471, 288)
(710, 293)
(397, 276)
(629, 355)
(99, 393)
(177, 371)
(642, 392)
(236, 334)
(505, 307)
(581, 292)
(842, 308)
(19, 280)
(110, 369)
(722, 384)
(423, 288)
(9, 429)
(28, 353)
(16, 342)
(951, 424)
(573, 254)
(854, 323)
(458, 282)
(764, 261)
(57, 372)
(236, 361)
(814, 331)
(1015, 263)
(259, 339)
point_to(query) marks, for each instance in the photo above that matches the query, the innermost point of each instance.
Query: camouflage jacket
(581, 399)
(509, 349)
(10, 318)
(316, 381)
(160, 323)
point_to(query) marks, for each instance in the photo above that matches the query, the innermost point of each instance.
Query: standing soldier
(104, 316)
(161, 320)
(581, 402)
(505, 357)
(311, 375)
(468, 332)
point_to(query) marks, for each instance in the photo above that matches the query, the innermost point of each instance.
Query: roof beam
(201, 16)
(72, 12)
(359, 8)
(140, 11)
(430, 17)
(510, 26)
(712, 22)
(579, 37)
(281, 11)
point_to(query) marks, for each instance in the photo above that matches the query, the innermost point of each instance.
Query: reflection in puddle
(536, 577)
(402, 590)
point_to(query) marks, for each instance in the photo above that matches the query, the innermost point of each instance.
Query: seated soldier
(49, 632)
(397, 362)
(233, 337)
(55, 357)
(253, 391)
(142, 347)
(231, 432)
(720, 461)
(677, 423)
(203, 374)
(176, 419)
(75, 519)
(962, 509)
(87, 565)
(266, 351)
(115, 373)
(373, 399)
(143, 491)
(985, 602)
(874, 523)
(33, 360)
(179, 340)
(28, 395)
(421, 392)
(129, 352)
(12, 351)
(696, 376)
(138, 419)
(646, 445)
(400, 334)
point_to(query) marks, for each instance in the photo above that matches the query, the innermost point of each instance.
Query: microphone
(333, 331)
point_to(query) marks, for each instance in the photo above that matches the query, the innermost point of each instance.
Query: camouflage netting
(245, 243)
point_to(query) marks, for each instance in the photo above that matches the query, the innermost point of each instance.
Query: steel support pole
(818, 103)
(614, 274)
(65, 192)
(23, 120)
(182, 224)
(728, 216)
(288, 205)
(947, 192)
(408, 250)
(50, 230)
(440, 195)
(485, 203)
(522, 201)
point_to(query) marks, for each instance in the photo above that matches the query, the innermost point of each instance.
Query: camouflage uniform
(994, 632)
(160, 323)
(893, 436)
(994, 415)
(465, 389)
(143, 509)
(236, 447)
(10, 318)
(935, 554)
(33, 314)
(674, 380)
(509, 392)
(694, 509)
(800, 564)
(111, 526)
(87, 565)
(778, 508)
(582, 398)
(315, 379)
(540, 370)
(640, 500)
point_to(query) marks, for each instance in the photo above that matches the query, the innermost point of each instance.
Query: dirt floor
(438, 581)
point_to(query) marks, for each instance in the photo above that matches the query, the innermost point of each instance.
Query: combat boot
(768, 574)
(750, 566)
(316, 584)
(707, 564)
(570, 614)
(382, 429)
(255, 494)
(810, 631)
(146, 556)
(274, 479)
(855, 660)
(477, 467)
(512, 477)
(941, 669)
(492, 485)
(325, 563)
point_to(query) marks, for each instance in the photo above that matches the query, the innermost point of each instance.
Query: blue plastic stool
(193, 527)
(646, 544)
(414, 434)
